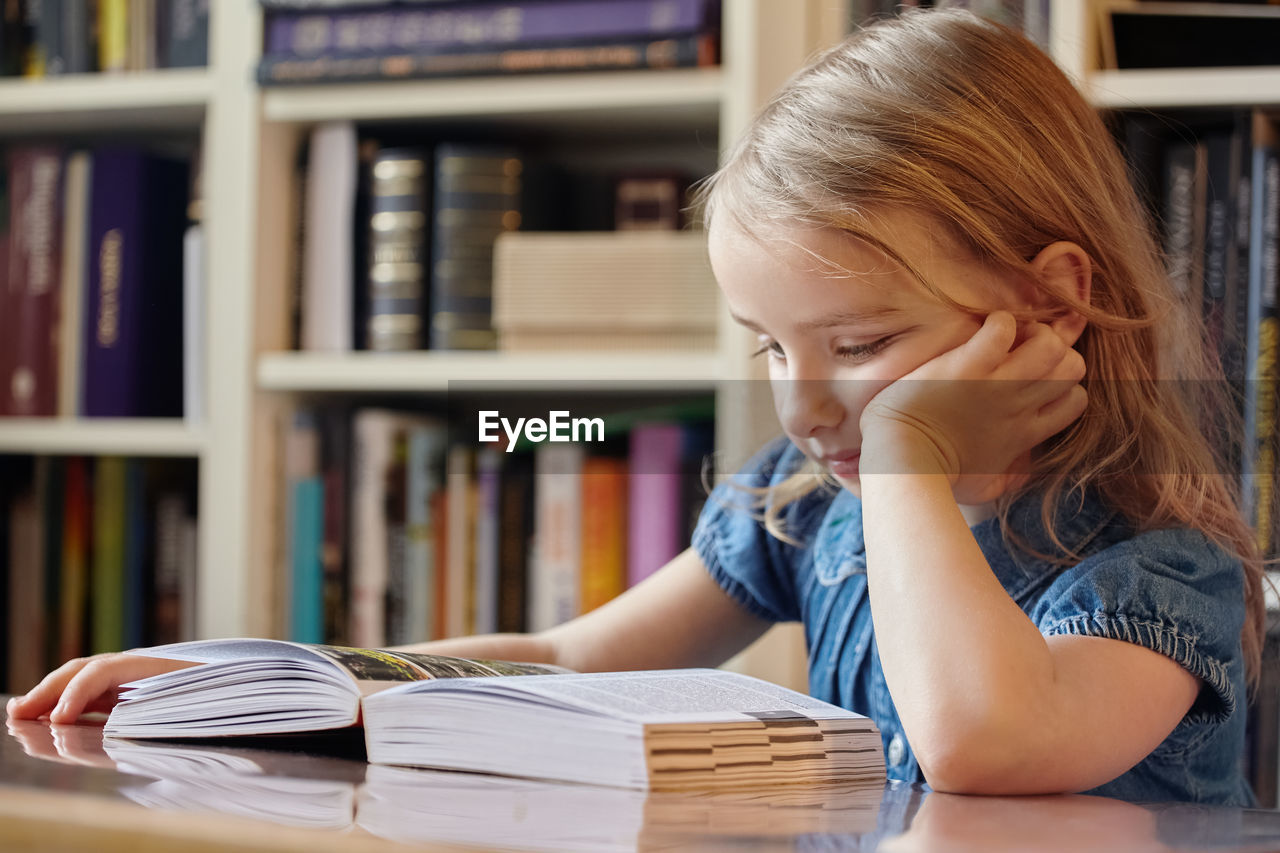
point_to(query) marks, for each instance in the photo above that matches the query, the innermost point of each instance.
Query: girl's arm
(988, 703)
(678, 617)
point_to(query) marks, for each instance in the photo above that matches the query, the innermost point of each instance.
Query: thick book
(476, 197)
(29, 307)
(306, 35)
(691, 50)
(133, 337)
(656, 730)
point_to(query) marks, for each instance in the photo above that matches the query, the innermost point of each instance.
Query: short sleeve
(742, 557)
(1171, 591)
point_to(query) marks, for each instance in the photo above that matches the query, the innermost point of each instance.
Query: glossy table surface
(68, 788)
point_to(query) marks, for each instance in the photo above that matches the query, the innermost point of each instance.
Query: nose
(807, 406)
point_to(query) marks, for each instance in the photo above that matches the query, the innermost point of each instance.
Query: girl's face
(833, 339)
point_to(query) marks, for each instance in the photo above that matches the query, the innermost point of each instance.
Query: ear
(1067, 269)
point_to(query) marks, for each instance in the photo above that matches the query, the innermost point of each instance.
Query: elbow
(986, 760)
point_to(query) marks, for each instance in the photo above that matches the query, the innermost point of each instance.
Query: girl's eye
(773, 348)
(862, 352)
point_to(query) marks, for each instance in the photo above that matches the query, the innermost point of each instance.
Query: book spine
(30, 381)
(74, 285)
(394, 499)
(335, 447)
(516, 525)
(113, 34)
(374, 435)
(488, 486)
(554, 595)
(25, 593)
(136, 536)
(133, 328)
(425, 467)
(51, 485)
(683, 51)
(306, 526)
(1183, 197)
(397, 249)
(77, 37)
(108, 561)
(460, 542)
(167, 603)
(604, 530)
(73, 609)
(327, 260)
(49, 38)
(654, 518)
(188, 34)
(311, 34)
(476, 198)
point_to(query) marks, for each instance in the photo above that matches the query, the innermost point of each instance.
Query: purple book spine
(654, 524)
(111, 364)
(314, 34)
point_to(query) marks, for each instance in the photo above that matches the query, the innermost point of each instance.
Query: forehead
(825, 264)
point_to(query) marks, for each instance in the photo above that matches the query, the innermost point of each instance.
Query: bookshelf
(144, 100)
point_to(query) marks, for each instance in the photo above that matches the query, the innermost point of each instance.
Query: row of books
(96, 555)
(95, 250)
(397, 239)
(40, 38)
(1030, 16)
(310, 42)
(399, 531)
(1214, 183)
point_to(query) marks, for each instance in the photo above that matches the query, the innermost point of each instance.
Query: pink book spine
(653, 506)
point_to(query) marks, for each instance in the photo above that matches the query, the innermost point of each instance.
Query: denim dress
(1172, 591)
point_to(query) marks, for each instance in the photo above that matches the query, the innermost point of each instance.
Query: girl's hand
(974, 412)
(86, 684)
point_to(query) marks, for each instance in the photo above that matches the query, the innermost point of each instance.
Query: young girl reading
(1010, 545)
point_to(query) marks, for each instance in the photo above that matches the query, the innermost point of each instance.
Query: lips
(844, 463)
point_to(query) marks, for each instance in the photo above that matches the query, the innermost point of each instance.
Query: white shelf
(667, 97)
(165, 98)
(101, 437)
(434, 371)
(1180, 87)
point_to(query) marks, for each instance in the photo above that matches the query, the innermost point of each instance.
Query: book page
(658, 696)
(372, 668)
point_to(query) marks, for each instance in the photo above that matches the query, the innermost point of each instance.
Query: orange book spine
(604, 533)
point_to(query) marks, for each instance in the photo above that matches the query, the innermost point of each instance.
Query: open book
(658, 730)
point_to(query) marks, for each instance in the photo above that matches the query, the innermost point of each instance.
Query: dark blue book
(184, 33)
(308, 34)
(133, 316)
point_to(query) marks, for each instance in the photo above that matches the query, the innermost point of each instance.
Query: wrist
(903, 454)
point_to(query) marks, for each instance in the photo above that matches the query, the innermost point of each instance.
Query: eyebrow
(842, 318)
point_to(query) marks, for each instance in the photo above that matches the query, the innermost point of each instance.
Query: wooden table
(66, 788)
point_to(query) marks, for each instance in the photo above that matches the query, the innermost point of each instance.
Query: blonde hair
(968, 123)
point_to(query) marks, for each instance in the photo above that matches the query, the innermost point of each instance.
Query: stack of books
(315, 42)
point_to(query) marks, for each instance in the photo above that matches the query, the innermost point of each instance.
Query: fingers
(86, 684)
(42, 698)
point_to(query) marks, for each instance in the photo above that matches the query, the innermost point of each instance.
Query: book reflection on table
(414, 805)
(406, 804)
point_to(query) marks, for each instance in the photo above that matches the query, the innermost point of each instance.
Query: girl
(1009, 544)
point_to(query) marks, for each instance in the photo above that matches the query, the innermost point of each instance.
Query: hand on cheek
(973, 412)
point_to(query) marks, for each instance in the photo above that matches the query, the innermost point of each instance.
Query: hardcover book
(658, 730)
(310, 34)
(134, 318)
